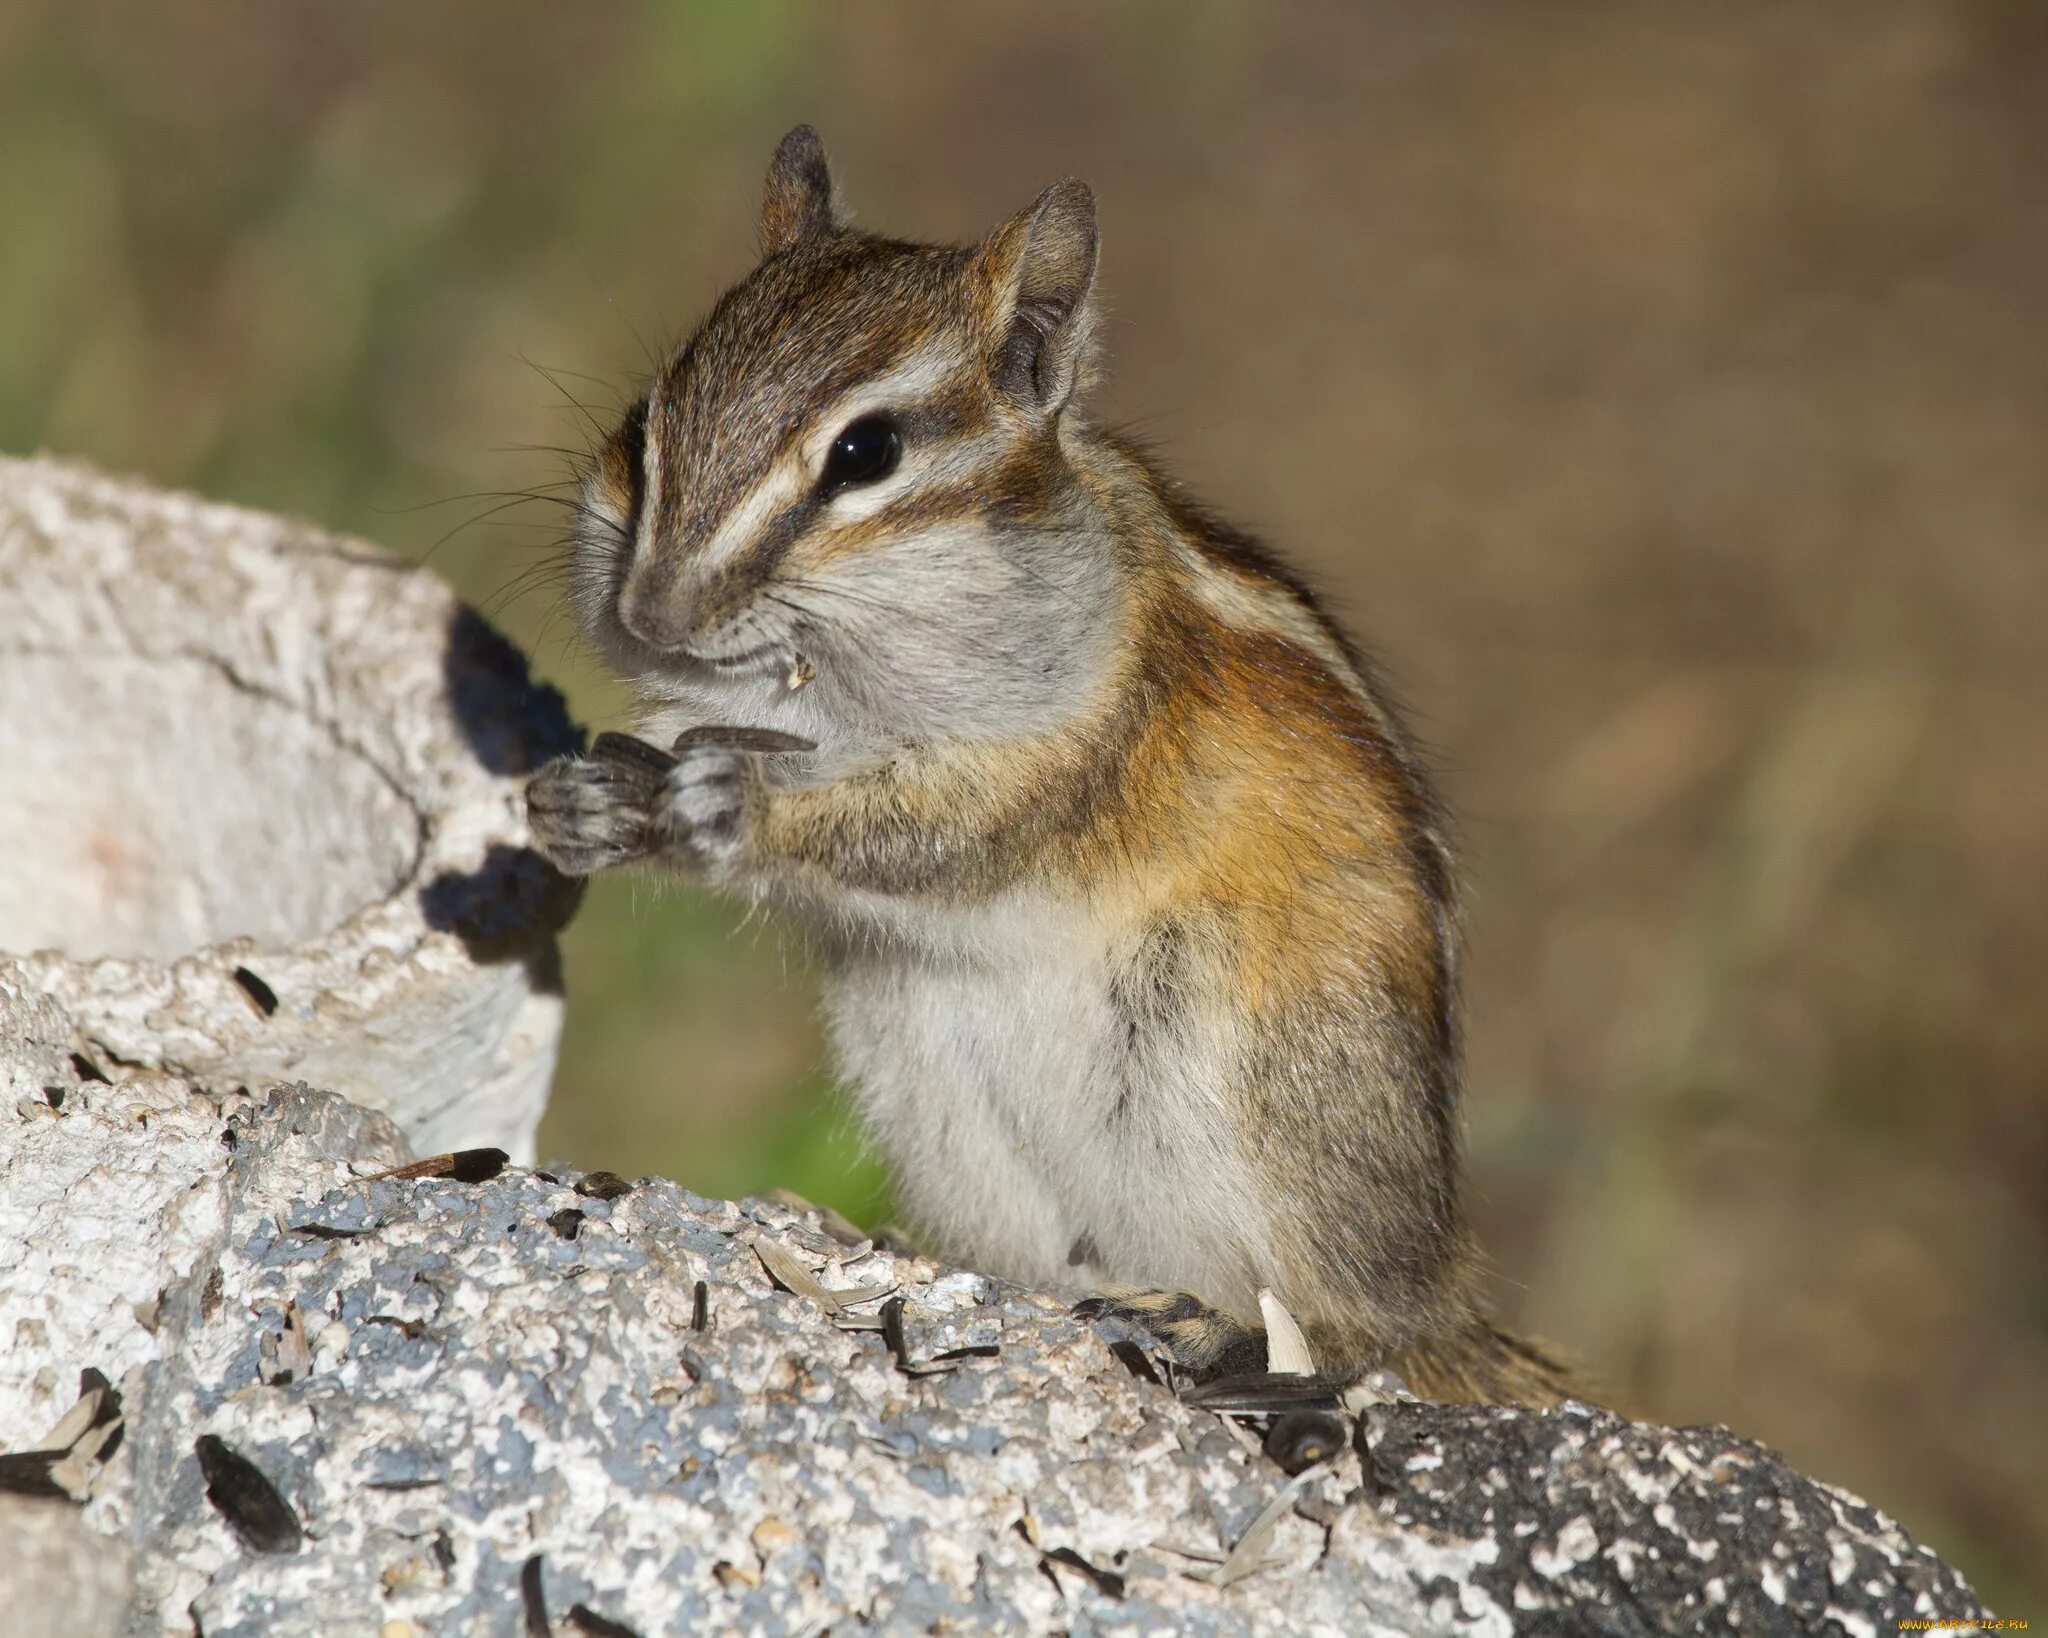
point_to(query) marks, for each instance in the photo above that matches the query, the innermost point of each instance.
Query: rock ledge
(438, 1406)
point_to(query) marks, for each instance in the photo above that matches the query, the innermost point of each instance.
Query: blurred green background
(1661, 389)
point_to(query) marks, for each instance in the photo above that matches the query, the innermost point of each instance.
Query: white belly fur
(990, 1065)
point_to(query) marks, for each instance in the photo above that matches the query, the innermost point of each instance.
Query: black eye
(865, 451)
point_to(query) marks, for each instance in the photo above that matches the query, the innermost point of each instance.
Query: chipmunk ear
(796, 200)
(1040, 269)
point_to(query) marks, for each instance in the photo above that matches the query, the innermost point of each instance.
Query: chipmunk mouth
(761, 656)
(745, 659)
(796, 671)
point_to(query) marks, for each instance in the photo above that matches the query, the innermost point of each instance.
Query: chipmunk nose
(654, 608)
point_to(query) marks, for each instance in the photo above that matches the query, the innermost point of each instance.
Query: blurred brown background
(1662, 389)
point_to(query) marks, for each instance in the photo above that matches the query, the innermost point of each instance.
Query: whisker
(598, 429)
(538, 493)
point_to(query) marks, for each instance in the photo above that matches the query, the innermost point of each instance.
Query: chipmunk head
(844, 508)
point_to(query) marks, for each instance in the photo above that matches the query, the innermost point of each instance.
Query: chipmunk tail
(1483, 1364)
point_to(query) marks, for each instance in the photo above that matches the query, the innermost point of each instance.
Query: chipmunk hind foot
(1202, 1340)
(1477, 1363)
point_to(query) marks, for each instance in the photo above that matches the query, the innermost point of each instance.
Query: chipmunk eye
(865, 451)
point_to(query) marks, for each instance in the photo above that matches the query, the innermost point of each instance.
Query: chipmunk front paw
(704, 806)
(628, 800)
(1201, 1340)
(587, 813)
(704, 813)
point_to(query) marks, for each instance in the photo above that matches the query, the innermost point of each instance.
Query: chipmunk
(1135, 903)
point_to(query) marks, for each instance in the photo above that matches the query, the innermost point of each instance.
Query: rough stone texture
(260, 795)
(105, 1204)
(487, 1402)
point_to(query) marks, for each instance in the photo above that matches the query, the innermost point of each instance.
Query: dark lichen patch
(1600, 1522)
